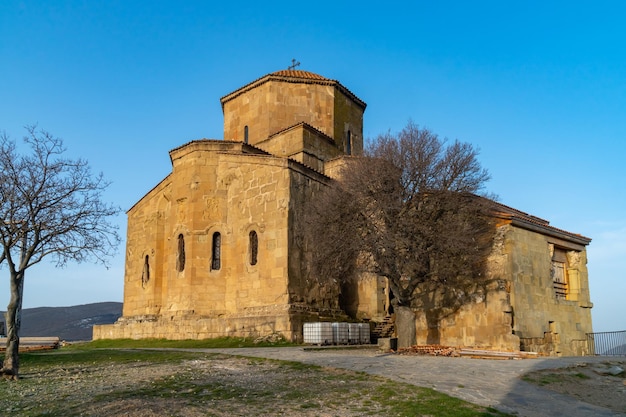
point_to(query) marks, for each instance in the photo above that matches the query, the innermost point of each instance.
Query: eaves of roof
(306, 126)
(191, 142)
(526, 221)
(293, 76)
(252, 151)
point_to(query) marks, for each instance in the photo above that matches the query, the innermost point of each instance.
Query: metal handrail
(607, 343)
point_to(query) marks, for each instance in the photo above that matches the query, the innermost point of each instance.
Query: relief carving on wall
(573, 259)
(210, 207)
(195, 183)
(229, 177)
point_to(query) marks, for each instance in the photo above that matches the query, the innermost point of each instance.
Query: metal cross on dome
(293, 65)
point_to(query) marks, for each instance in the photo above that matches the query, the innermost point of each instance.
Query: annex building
(215, 248)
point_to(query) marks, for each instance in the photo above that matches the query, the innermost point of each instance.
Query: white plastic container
(364, 334)
(353, 333)
(340, 333)
(319, 333)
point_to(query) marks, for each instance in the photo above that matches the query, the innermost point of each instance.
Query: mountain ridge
(67, 323)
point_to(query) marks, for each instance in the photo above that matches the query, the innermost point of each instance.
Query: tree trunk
(405, 326)
(11, 364)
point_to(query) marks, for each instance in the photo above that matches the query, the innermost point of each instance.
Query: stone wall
(540, 317)
(304, 287)
(251, 323)
(521, 310)
(485, 323)
(275, 105)
(143, 285)
(210, 192)
(348, 117)
(367, 298)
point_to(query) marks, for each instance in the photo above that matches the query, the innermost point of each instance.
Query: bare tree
(50, 206)
(409, 210)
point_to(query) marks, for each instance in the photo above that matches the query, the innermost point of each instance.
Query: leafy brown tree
(52, 207)
(408, 210)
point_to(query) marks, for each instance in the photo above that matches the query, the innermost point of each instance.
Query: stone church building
(215, 248)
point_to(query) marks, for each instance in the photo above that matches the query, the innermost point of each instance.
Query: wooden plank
(496, 354)
(33, 343)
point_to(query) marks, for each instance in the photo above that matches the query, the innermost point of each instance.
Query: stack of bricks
(432, 350)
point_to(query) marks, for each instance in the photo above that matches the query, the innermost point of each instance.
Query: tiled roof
(513, 212)
(299, 74)
(528, 221)
(204, 140)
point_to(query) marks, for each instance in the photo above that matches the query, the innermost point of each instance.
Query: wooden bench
(28, 344)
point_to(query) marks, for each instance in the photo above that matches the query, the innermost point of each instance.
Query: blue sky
(538, 87)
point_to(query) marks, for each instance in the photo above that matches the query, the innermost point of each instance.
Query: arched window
(245, 134)
(180, 258)
(216, 251)
(348, 143)
(254, 247)
(145, 275)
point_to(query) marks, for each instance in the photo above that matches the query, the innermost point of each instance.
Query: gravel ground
(599, 384)
(207, 385)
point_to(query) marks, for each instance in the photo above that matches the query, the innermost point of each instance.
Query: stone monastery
(212, 250)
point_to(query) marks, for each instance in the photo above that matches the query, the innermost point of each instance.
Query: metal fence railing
(607, 343)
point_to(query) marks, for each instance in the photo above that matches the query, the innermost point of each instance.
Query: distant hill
(68, 323)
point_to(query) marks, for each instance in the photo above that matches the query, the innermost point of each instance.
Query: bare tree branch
(50, 206)
(409, 210)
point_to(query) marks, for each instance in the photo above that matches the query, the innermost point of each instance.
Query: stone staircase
(384, 328)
